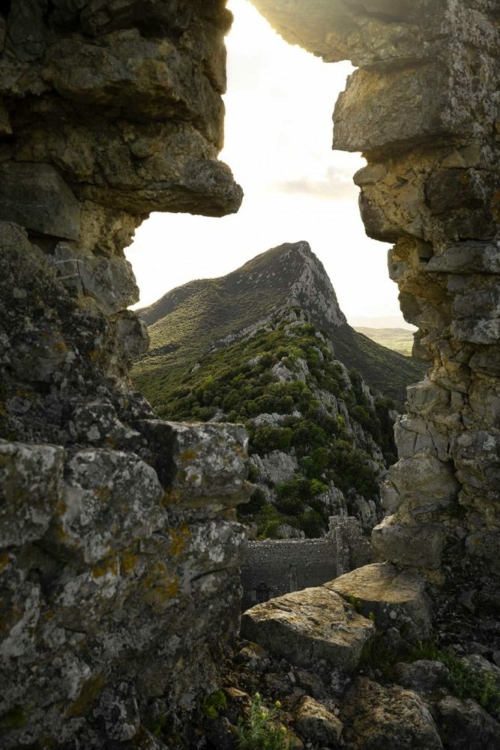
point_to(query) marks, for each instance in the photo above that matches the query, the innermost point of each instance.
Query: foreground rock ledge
(393, 597)
(307, 626)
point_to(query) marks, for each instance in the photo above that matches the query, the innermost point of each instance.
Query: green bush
(262, 729)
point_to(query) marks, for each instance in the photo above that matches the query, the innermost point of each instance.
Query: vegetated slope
(398, 339)
(319, 441)
(269, 346)
(192, 319)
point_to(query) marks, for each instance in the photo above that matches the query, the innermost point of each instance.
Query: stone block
(478, 304)
(36, 197)
(477, 458)
(318, 725)
(467, 258)
(134, 73)
(110, 282)
(392, 718)
(200, 463)
(415, 437)
(425, 484)
(466, 725)
(396, 108)
(30, 477)
(423, 676)
(453, 189)
(476, 331)
(426, 399)
(412, 546)
(106, 492)
(395, 598)
(307, 626)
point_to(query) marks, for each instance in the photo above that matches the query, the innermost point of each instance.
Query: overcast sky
(278, 143)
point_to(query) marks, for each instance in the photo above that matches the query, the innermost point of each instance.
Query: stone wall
(423, 107)
(119, 552)
(272, 568)
(282, 566)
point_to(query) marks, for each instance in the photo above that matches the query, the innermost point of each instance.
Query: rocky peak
(213, 313)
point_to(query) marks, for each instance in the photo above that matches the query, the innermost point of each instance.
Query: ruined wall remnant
(277, 567)
(423, 107)
(119, 554)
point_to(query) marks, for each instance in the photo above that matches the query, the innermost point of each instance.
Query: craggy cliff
(119, 555)
(423, 107)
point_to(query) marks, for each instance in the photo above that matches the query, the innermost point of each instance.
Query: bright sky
(278, 143)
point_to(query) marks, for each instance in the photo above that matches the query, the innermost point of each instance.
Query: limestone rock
(276, 466)
(413, 546)
(316, 724)
(109, 282)
(36, 196)
(395, 598)
(362, 125)
(424, 484)
(307, 626)
(99, 486)
(208, 461)
(465, 725)
(379, 718)
(422, 676)
(30, 479)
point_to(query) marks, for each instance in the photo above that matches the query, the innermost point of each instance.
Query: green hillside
(398, 339)
(240, 383)
(190, 320)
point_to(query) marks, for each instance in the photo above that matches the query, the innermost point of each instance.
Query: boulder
(309, 625)
(395, 598)
(464, 725)
(423, 676)
(380, 718)
(318, 725)
(412, 546)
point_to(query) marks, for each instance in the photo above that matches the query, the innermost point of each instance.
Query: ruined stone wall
(286, 565)
(119, 552)
(282, 566)
(423, 107)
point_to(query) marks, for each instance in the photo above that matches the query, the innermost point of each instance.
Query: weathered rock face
(110, 580)
(119, 554)
(423, 109)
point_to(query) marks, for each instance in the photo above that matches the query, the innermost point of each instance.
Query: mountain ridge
(209, 313)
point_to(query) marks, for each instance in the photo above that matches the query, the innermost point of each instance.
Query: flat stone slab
(393, 597)
(309, 625)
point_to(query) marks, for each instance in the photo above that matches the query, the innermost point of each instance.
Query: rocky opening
(99, 125)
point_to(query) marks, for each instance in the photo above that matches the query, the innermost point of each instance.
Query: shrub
(262, 729)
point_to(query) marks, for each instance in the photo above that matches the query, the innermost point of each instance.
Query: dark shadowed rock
(387, 719)
(36, 197)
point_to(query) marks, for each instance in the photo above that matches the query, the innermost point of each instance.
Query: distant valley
(398, 339)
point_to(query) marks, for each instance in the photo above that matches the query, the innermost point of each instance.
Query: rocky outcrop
(210, 314)
(106, 562)
(423, 109)
(116, 530)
